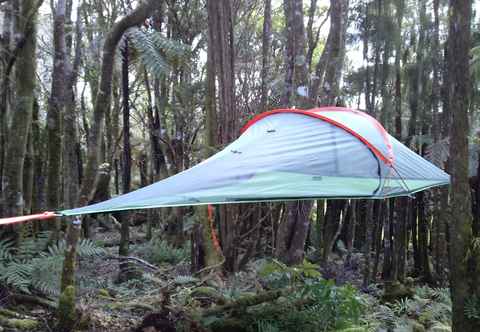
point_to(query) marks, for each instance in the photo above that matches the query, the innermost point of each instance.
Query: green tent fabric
(291, 154)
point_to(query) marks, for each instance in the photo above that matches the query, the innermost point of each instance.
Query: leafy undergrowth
(266, 297)
(430, 309)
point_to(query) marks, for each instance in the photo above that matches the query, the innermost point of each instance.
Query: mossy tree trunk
(66, 312)
(71, 172)
(56, 106)
(205, 252)
(25, 82)
(5, 54)
(464, 271)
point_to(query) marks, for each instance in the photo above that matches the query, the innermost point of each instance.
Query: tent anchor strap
(39, 216)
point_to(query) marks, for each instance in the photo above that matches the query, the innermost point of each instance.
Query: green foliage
(403, 306)
(34, 265)
(183, 280)
(159, 251)
(267, 326)
(475, 63)
(319, 306)
(67, 315)
(315, 306)
(157, 52)
(279, 274)
(429, 307)
(472, 308)
(335, 307)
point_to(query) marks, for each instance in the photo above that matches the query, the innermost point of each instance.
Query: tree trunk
(71, 170)
(266, 44)
(28, 170)
(351, 229)
(296, 67)
(56, 105)
(126, 164)
(332, 226)
(463, 255)
(333, 73)
(25, 82)
(385, 114)
(67, 312)
(423, 235)
(206, 252)
(292, 232)
(368, 243)
(400, 8)
(5, 49)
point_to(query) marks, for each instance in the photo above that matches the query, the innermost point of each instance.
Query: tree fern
(17, 274)
(33, 265)
(155, 51)
(267, 326)
(6, 248)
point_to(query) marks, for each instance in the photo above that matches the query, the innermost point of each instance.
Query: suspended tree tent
(292, 154)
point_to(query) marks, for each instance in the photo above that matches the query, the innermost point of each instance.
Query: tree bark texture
(266, 45)
(25, 82)
(56, 106)
(463, 257)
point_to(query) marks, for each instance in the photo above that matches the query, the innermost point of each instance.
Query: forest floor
(267, 296)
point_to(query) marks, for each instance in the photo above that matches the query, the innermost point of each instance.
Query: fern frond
(156, 51)
(6, 249)
(182, 280)
(150, 56)
(267, 326)
(88, 248)
(17, 275)
(85, 248)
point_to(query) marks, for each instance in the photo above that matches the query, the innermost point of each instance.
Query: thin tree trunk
(379, 215)
(351, 229)
(423, 235)
(368, 243)
(400, 7)
(333, 73)
(5, 44)
(70, 130)
(388, 249)
(56, 106)
(332, 226)
(266, 44)
(126, 164)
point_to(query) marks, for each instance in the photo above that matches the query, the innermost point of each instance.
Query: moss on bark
(66, 313)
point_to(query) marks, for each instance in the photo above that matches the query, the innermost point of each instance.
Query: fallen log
(33, 300)
(245, 301)
(14, 320)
